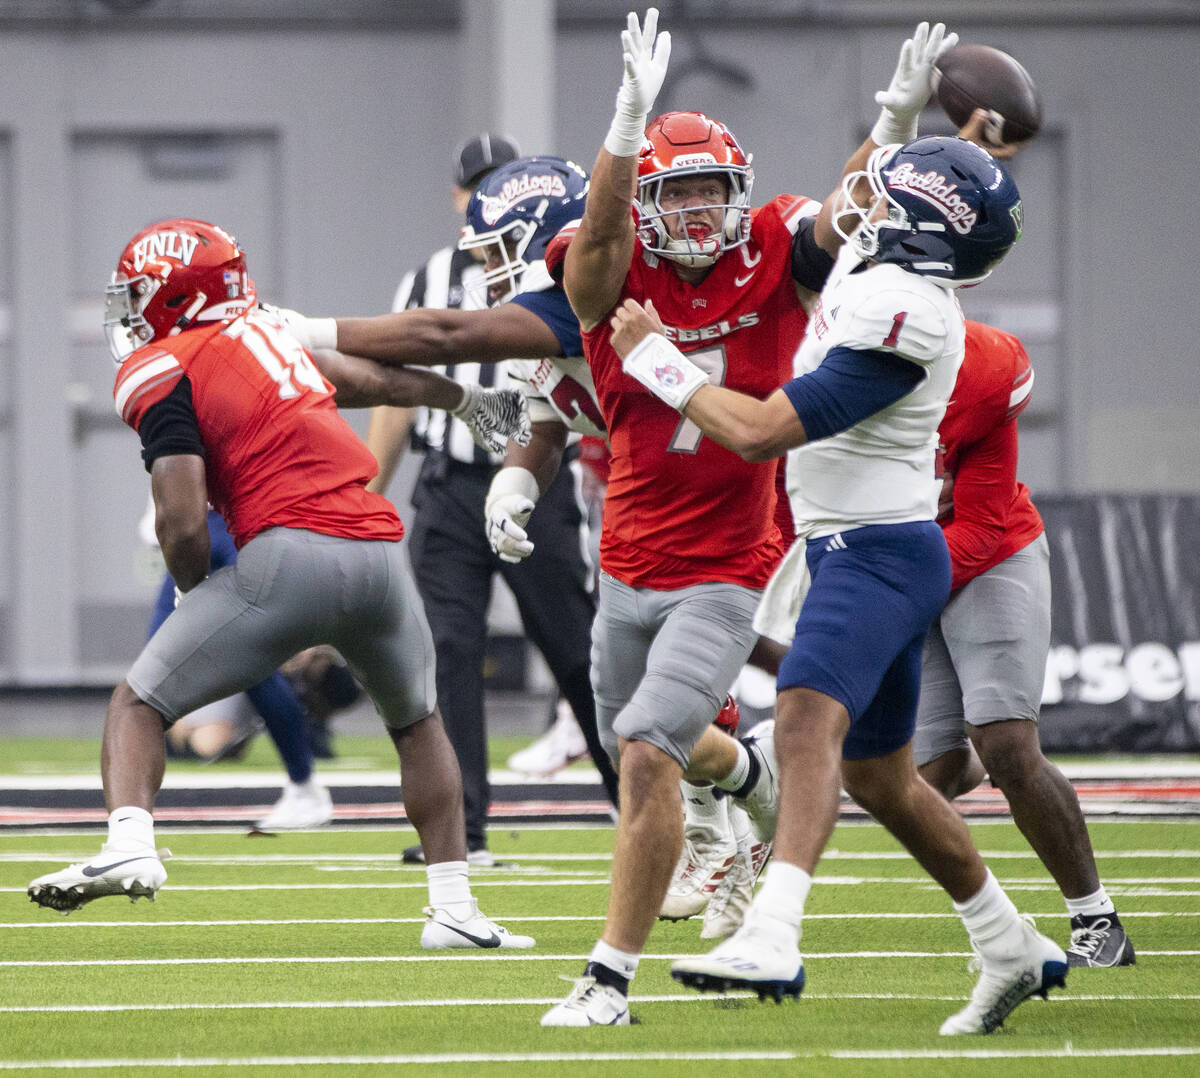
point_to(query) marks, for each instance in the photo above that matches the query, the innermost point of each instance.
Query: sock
(612, 967)
(282, 714)
(992, 921)
(129, 826)
(1097, 904)
(740, 781)
(705, 816)
(449, 889)
(779, 904)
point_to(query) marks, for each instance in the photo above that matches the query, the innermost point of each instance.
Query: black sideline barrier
(1124, 667)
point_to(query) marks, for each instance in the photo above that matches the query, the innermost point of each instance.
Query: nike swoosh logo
(99, 870)
(490, 940)
(741, 282)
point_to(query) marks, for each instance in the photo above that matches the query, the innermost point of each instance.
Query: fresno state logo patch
(934, 188)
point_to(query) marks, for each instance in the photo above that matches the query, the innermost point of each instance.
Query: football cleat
(589, 1003)
(302, 805)
(444, 931)
(1003, 986)
(700, 871)
(753, 959)
(727, 908)
(559, 746)
(136, 871)
(1099, 941)
(762, 802)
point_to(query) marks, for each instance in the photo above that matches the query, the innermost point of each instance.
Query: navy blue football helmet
(952, 210)
(516, 211)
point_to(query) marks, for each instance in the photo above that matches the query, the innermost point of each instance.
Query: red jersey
(277, 453)
(992, 516)
(680, 509)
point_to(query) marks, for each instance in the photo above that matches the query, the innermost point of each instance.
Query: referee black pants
(454, 568)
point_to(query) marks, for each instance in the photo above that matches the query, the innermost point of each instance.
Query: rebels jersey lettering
(991, 515)
(879, 471)
(277, 453)
(680, 509)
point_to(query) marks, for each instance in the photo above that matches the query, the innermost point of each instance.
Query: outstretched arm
(754, 429)
(363, 383)
(849, 385)
(493, 416)
(429, 337)
(598, 259)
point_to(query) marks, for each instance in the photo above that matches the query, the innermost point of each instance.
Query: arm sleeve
(552, 307)
(170, 427)
(984, 481)
(849, 386)
(810, 263)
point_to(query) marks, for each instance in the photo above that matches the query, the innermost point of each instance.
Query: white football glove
(664, 370)
(911, 85)
(510, 500)
(494, 416)
(312, 333)
(645, 69)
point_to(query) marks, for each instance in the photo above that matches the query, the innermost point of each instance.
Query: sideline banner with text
(1124, 667)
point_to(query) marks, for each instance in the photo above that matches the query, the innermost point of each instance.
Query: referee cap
(479, 155)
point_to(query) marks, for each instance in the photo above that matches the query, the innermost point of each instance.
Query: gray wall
(325, 145)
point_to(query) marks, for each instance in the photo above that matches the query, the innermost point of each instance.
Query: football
(968, 77)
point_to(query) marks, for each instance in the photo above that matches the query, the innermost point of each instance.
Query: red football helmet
(171, 276)
(687, 144)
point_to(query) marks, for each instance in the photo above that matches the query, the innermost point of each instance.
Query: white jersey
(881, 470)
(557, 387)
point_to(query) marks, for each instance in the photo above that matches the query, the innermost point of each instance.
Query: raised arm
(900, 106)
(598, 259)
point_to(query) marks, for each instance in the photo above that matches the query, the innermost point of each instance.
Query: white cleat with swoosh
(443, 930)
(135, 871)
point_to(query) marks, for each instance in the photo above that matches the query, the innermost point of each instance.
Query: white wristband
(511, 480)
(664, 370)
(625, 134)
(890, 128)
(470, 397)
(322, 333)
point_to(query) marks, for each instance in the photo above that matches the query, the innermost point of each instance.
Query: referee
(452, 562)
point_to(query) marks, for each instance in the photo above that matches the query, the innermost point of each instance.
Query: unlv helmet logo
(174, 245)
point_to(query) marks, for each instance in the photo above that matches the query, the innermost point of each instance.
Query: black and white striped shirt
(450, 279)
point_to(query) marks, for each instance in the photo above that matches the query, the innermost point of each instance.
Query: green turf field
(299, 954)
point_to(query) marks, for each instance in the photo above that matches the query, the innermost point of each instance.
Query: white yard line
(65, 923)
(1066, 1052)
(378, 1004)
(467, 956)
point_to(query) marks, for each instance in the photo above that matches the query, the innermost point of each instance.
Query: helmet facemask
(689, 250)
(503, 252)
(124, 325)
